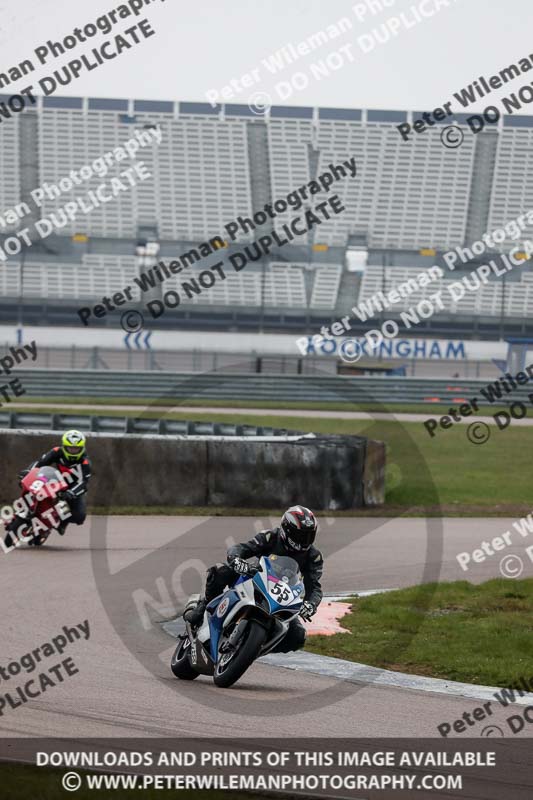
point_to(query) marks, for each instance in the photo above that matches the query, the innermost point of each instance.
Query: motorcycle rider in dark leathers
(72, 453)
(294, 538)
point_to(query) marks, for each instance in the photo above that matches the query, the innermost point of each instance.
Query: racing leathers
(266, 543)
(81, 472)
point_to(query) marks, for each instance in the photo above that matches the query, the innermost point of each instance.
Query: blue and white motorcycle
(243, 623)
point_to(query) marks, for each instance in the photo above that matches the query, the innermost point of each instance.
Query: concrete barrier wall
(324, 473)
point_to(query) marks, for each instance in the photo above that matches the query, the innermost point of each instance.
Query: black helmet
(298, 528)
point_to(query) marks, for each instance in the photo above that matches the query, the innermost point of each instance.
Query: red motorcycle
(40, 509)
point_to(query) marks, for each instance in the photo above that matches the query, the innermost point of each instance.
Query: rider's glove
(242, 567)
(74, 494)
(307, 610)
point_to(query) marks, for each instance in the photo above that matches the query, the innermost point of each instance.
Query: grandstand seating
(288, 145)
(100, 275)
(512, 193)
(10, 279)
(284, 287)
(405, 196)
(9, 170)
(201, 173)
(95, 277)
(201, 177)
(70, 139)
(517, 297)
(326, 286)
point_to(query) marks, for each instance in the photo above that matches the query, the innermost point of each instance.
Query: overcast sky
(202, 45)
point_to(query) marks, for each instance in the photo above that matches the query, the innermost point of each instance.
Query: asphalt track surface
(124, 686)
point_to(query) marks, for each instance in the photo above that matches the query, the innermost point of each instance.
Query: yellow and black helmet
(73, 445)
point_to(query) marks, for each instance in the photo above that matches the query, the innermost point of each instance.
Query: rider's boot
(13, 525)
(15, 530)
(195, 614)
(61, 528)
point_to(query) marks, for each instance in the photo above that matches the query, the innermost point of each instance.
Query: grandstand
(216, 164)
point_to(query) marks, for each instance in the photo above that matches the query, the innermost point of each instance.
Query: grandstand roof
(240, 110)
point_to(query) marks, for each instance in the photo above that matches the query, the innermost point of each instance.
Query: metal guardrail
(180, 387)
(160, 360)
(107, 424)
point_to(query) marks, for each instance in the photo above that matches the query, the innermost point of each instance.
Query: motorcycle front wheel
(180, 664)
(9, 540)
(13, 537)
(38, 540)
(231, 666)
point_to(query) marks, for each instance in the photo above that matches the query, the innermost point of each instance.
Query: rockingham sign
(435, 349)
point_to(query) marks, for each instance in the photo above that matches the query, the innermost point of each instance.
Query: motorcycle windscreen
(283, 582)
(43, 482)
(285, 569)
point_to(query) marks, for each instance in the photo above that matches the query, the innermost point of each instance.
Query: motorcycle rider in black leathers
(293, 538)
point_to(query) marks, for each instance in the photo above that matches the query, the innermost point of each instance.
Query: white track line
(353, 672)
(361, 673)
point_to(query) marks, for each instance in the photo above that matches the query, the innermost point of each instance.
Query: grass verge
(457, 631)
(62, 405)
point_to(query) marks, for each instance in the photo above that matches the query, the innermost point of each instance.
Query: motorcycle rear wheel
(227, 673)
(180, 664)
